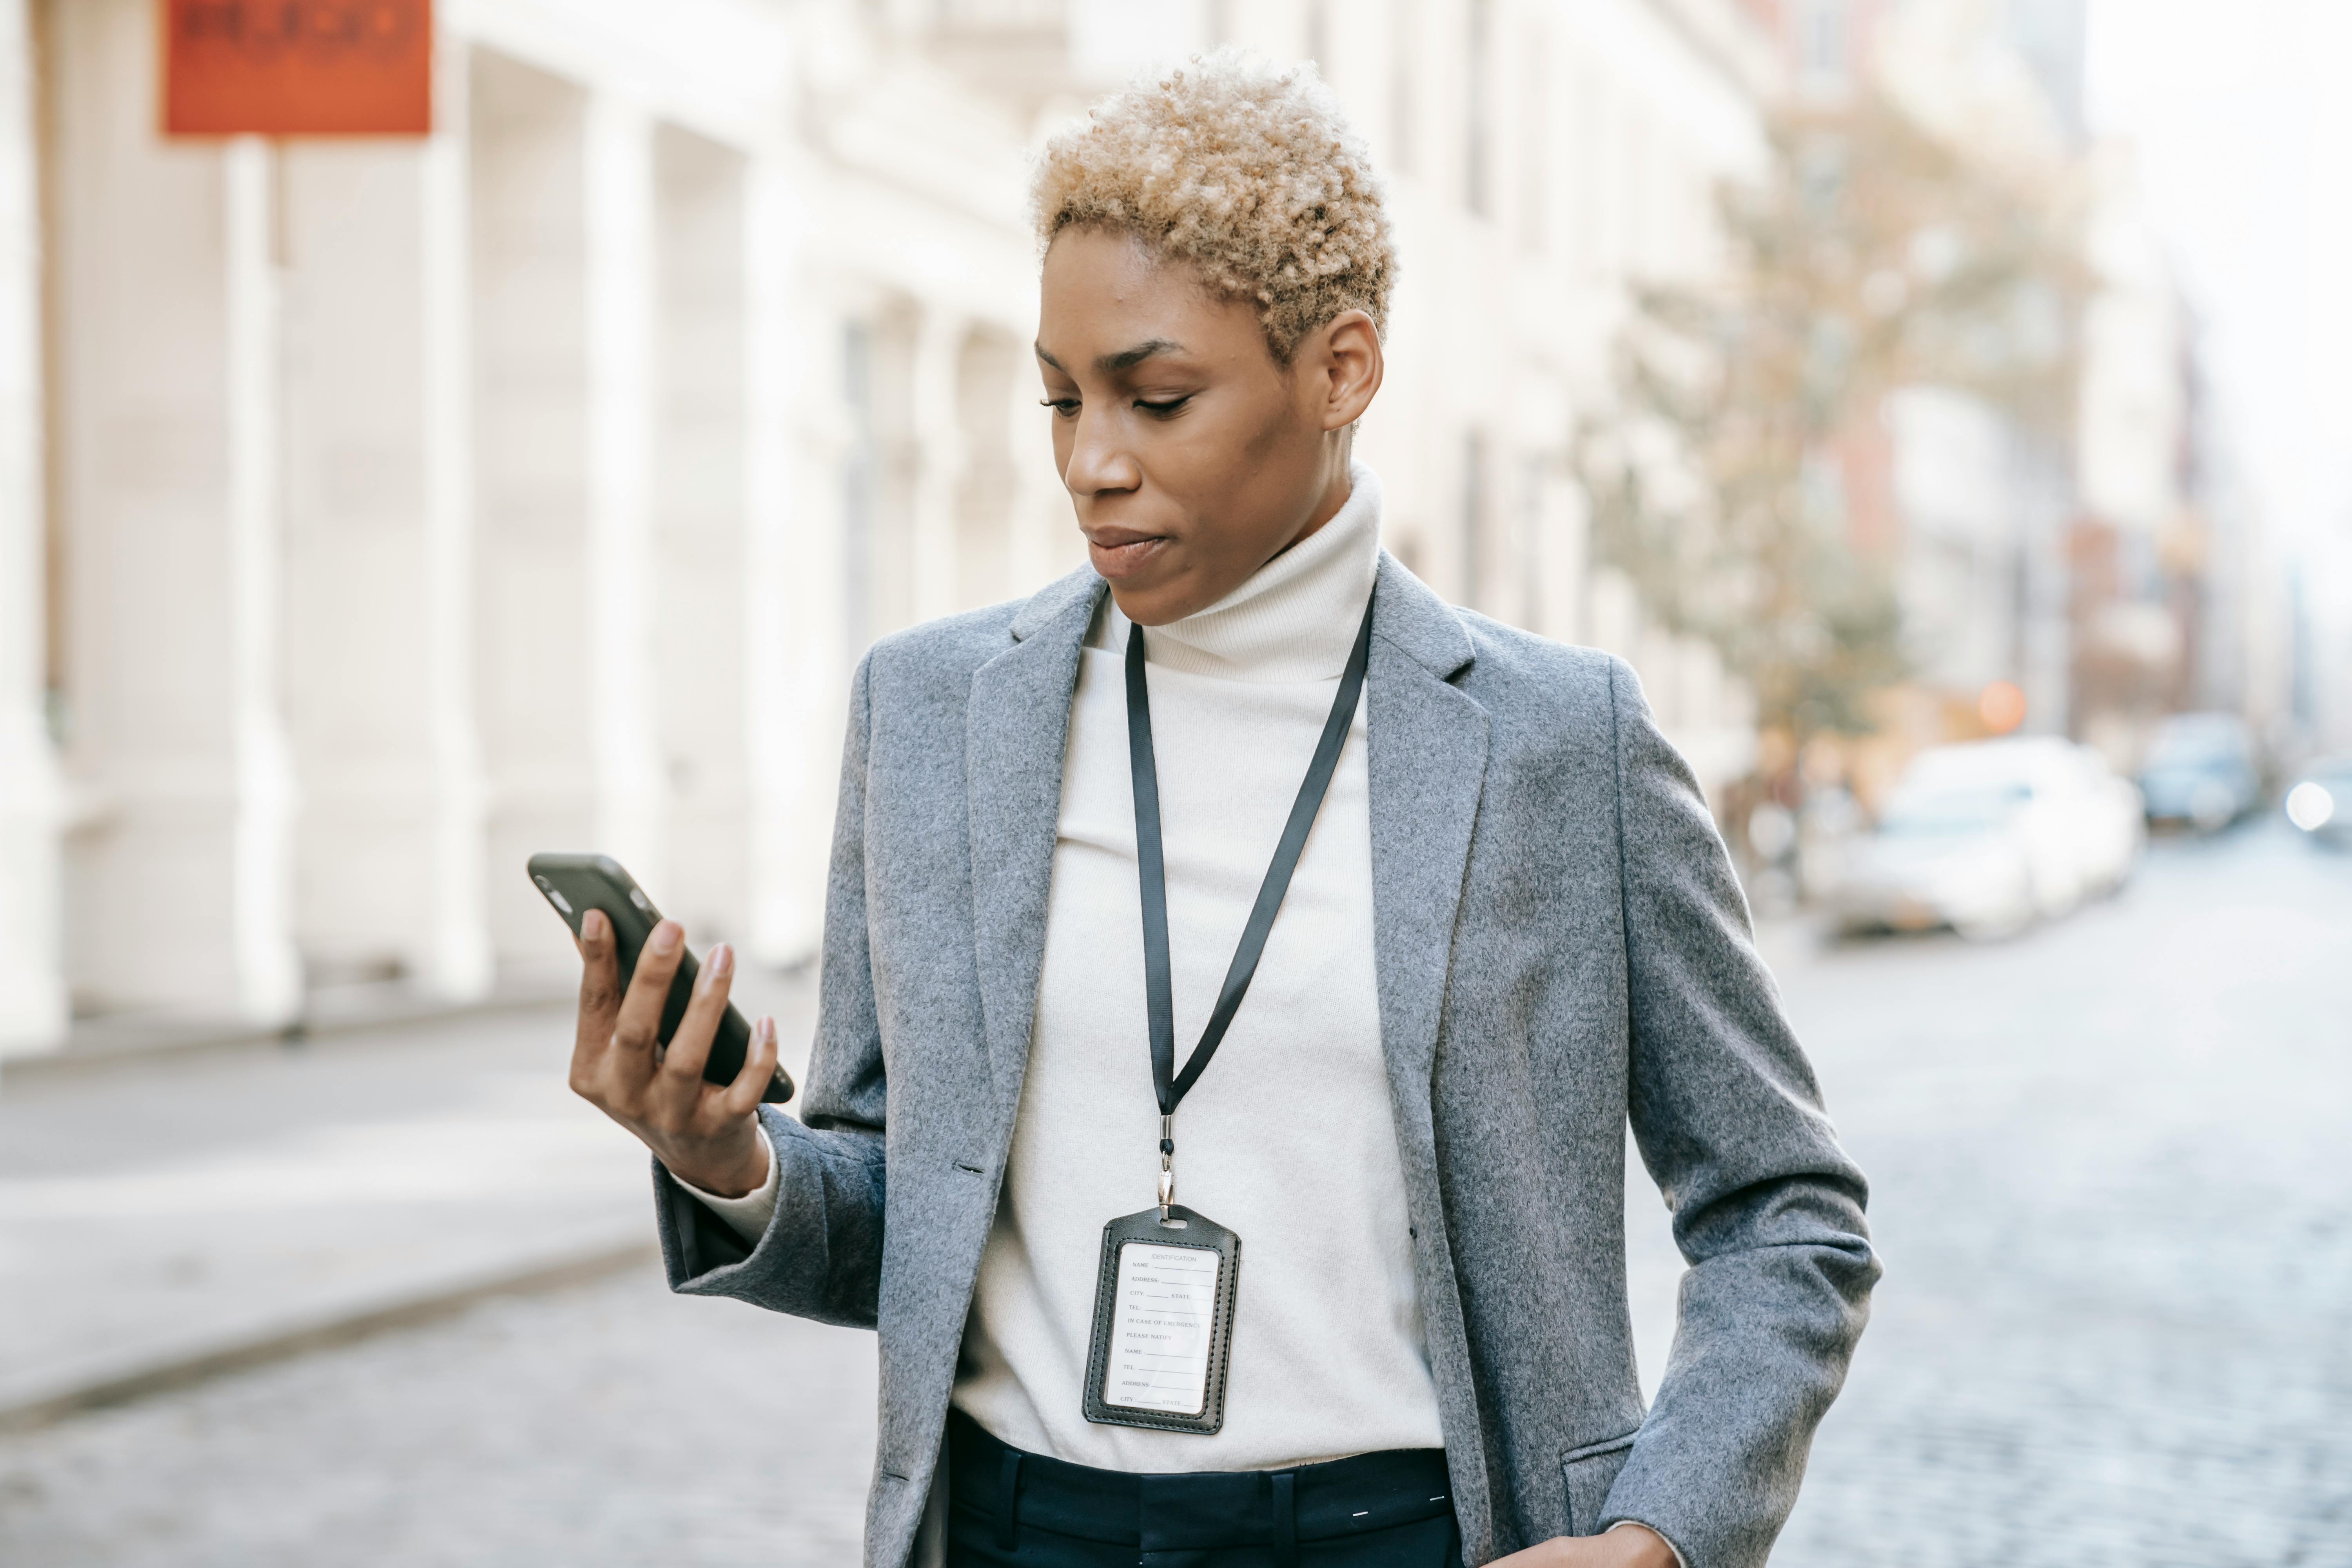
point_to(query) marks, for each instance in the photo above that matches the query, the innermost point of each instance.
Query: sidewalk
(170, 1213)
(165, 1215)
(370, 1008)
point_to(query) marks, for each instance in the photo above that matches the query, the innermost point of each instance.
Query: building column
(269, 974)
(1046, 544)
(702, 493)
(792, 610)
(33, 1009)
(538, 651)
(1563, 553)
(163, 305)
(458, 964)
(621, 303)
(940, 438)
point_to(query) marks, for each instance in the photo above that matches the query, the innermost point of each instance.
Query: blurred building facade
(415, 505)
(1980, 503)
(2113, 570)
(377, 512)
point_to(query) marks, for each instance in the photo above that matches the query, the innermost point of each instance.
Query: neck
(1336, 488)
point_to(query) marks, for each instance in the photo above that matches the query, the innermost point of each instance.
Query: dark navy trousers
(1007, 1509)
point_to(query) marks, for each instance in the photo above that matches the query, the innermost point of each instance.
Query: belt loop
(1008, 1501)
(1286, 1518)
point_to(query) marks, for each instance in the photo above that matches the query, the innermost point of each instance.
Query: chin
(1154, 605)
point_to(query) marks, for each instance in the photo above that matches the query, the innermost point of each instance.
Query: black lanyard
(1151, 872)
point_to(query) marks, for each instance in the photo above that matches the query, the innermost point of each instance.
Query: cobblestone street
(2112, 1183)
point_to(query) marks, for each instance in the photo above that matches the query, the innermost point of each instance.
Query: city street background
(470, 430)
(2108, 1170)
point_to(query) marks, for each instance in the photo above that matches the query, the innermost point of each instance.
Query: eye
(1063, 407)
(1162, 410)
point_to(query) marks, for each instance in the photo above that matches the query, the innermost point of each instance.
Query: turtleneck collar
(1294, 618)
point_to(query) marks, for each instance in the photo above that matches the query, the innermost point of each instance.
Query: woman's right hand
(705, 1134)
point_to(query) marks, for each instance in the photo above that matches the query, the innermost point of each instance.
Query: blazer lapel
(1015, 728)
(1427, 767)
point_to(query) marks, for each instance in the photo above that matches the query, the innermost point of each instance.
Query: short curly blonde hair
(1248, 173)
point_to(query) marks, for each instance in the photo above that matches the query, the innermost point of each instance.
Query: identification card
(1163, 1323)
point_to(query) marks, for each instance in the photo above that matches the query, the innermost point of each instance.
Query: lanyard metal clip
(1166, 1165)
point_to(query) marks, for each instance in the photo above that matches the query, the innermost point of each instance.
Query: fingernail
(665, 937)
(722, 961)
(591, 926)
(768, 1030)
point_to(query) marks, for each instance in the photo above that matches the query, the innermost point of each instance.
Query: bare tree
(1870, 257)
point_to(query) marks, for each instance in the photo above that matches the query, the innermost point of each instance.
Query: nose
(1100, 462)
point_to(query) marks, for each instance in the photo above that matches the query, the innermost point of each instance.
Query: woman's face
(1193, 458)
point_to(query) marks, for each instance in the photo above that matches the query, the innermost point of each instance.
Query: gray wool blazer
(1561, 948)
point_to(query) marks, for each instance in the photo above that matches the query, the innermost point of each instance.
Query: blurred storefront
(374, 511)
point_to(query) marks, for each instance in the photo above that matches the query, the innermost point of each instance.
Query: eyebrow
(1126, 359)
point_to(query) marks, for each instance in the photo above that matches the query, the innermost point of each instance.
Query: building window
(1823, 47)
(1527, 546)
(1588, 214)
(1403, 57)
(1635, 183)
(858, 484)
(1535, 144)
(1477, 89)
(1473, 518)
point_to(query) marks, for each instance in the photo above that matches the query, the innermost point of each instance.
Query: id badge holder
(1163, 1323)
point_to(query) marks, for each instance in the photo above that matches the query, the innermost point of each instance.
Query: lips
(1120, 551)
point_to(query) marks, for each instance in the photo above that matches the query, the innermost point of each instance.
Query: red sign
(298, 67)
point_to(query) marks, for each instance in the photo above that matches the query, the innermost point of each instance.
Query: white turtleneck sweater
(1288, 1138)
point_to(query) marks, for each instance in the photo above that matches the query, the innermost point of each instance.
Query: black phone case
(574, 884)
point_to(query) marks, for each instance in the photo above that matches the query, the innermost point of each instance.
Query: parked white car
(1988, 836)
(2202, 771)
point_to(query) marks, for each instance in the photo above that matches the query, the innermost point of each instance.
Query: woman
(1241, 859)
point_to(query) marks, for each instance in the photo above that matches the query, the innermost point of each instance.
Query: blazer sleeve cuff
(747, 1215)
(698, 1237)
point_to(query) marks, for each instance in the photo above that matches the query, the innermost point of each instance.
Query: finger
(599, 993)
(600, 975)
(689, 1048)
(742, 1098)
(638, 1025)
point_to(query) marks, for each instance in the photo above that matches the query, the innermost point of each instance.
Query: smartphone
(574, 884)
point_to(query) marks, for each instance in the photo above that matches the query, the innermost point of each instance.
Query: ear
(1346, 357)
